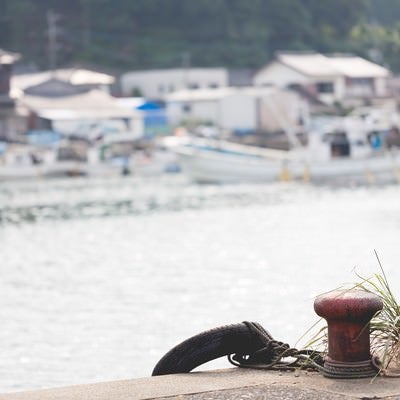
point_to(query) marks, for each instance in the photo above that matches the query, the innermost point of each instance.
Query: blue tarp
(154, 114)
(149, 105)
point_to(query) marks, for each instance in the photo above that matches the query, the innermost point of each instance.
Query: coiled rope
(273, 353)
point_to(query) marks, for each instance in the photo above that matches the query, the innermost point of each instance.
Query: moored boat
(333, 157)
(224, 162)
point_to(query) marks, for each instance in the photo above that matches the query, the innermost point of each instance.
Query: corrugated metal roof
(7, 57)
(312, 64)
(86, 77)
(319, 65)
(357, 67)
(71, 75)
(95, 104)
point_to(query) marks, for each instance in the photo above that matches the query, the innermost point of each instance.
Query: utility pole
(86, 22)
(52, 32)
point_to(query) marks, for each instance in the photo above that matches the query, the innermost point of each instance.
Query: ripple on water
(113, 273)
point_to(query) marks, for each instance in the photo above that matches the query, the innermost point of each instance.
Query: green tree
(139, 34)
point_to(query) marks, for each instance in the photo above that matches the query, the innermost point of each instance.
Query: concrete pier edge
(233, 383)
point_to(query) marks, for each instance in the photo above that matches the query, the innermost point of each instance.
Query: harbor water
(99, 278)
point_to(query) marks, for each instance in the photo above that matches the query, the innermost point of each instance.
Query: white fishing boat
(76, 156)
(217, 161)
(335, 155)
(122, 154)
(379, 168)
(24, 162)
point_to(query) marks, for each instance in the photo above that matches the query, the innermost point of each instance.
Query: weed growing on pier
(384, 326)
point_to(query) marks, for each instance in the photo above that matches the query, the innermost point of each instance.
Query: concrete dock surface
(233, 383)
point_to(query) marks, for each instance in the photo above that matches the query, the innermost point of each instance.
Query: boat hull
(205, 167)
(214, 167)
(25, 172)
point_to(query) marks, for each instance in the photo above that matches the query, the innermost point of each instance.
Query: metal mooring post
(348, 314)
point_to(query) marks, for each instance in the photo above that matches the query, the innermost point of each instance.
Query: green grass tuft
(384, 326)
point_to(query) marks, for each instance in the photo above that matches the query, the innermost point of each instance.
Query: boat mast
(287, 128)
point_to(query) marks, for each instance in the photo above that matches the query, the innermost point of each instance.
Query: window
(325, 87)
(359, 81)
(186, 108)
(360, 87)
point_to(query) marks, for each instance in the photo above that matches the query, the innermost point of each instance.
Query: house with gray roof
(344, 78)
(82, 79)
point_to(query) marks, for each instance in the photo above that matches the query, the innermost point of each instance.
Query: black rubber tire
(207, 346)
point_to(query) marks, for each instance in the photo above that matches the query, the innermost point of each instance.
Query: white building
(328, 78)
(156, 84)
(233, 109)
(90, 114)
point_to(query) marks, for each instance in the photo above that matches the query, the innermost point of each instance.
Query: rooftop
(316, 64)
(95, 104)
(75, 76)
(7, 57)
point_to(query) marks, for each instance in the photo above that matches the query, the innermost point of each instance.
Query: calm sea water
(100, 278)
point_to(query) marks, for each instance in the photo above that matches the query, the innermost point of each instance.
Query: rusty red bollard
(348, 313)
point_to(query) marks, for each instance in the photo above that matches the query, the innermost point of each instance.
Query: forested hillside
(138, 34)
